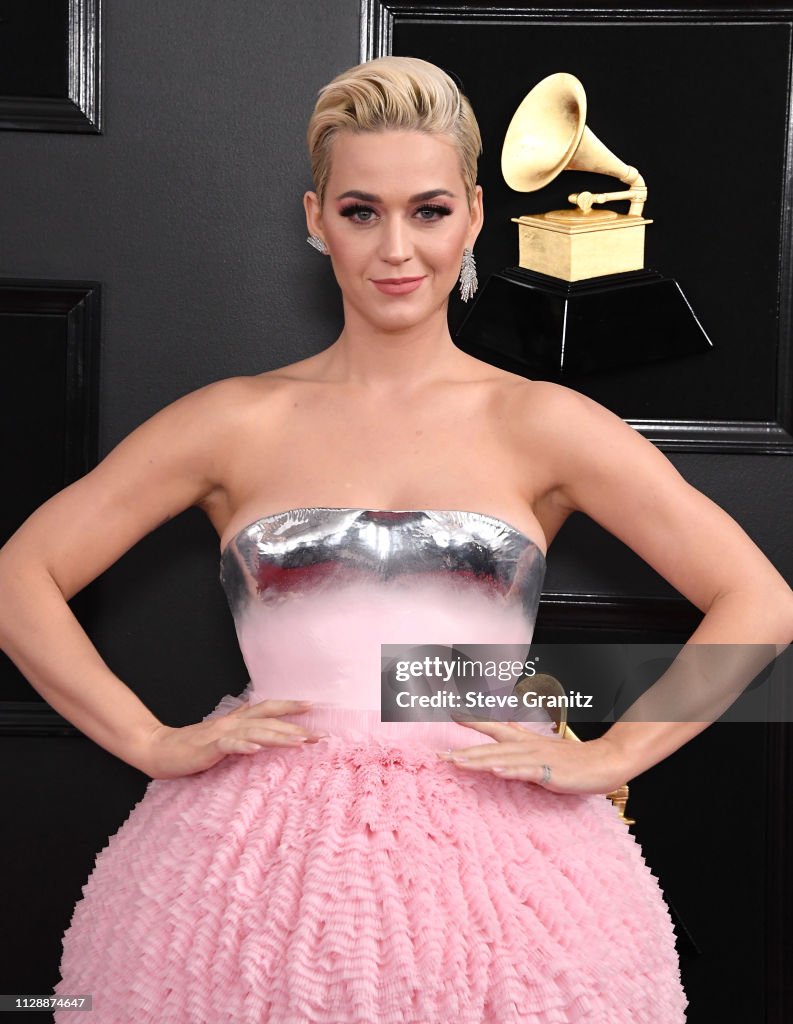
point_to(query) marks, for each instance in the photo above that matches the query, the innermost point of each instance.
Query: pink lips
(398, 285)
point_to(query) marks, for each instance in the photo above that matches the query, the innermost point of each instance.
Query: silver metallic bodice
(314, 592)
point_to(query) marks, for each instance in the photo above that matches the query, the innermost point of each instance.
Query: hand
(588, 766)
(188, 749)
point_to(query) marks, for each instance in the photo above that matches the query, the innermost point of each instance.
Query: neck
(376, 357)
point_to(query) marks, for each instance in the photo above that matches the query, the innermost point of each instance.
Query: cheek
(354, 255)
(347, 256)
(451, 242)
(449, 256)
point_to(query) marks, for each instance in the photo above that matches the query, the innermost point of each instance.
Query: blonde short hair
(403, 93)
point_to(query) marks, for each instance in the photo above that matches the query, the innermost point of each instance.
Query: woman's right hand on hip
(185, 750)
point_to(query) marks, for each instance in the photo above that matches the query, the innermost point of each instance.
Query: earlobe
(313, 216)
(477, 215)
(314, 222)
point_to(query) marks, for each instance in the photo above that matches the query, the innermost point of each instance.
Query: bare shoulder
(576, 437)
(308, 370)
(174, 459)
(539, 413)
(597, 451)
(549, 422)
(537, 400)
(231, 400)
(218, 413)
(606, 469)
(195, 426)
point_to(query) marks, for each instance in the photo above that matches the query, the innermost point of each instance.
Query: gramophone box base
(586, 246)
(539, 326)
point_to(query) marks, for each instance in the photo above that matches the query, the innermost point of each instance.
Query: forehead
(396, 159)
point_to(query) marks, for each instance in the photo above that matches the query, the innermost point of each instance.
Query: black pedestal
(530, 323)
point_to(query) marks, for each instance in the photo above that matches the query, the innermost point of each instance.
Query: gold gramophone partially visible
(547, 135)
(581, 301)
(545, 685)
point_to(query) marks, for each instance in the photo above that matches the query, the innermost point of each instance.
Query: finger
(507, 768)
(491, 752)
(282, 707)
(467, 718)
(272, 710)
(273, 738)
(522, 773)
(261, 713)
(235, 745)
(281, 733)
(498, 730)
(242, 707)
(276, 725)
(502, 762)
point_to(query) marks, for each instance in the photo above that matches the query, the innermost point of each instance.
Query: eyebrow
(370, 198)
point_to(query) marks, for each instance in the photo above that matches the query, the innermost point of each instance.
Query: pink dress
(361, 879)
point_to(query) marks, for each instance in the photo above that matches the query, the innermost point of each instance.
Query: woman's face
(395, 208)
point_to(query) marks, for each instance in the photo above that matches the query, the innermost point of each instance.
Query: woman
(294, 863)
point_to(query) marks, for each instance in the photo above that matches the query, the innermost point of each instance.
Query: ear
(313, 215)
(477, 217)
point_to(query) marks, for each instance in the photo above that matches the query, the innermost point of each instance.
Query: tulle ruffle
(362, 880)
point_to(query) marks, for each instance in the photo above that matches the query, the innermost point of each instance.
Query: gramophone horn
(544, 132)
(547, 134)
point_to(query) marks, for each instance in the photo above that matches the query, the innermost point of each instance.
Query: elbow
(782, 599)
(764, 610)
(780, 610)
(20, 577)
(790, 626)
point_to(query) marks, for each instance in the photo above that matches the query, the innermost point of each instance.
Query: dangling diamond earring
(468, 282)
(318, 244)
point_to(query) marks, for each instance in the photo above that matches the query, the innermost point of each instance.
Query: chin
(401, 317)
(401, 313)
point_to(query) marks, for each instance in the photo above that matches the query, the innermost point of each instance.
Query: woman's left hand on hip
(576, 766)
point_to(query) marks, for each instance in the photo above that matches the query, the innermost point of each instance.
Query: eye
(355, 212)
(360, 214)
(436, 210)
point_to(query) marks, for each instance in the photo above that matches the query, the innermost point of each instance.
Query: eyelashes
(435, 208)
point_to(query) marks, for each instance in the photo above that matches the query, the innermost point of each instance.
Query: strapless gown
(362, 879)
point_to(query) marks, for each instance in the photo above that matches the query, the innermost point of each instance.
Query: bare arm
(169, 463)
(621, 480)
(603, 467)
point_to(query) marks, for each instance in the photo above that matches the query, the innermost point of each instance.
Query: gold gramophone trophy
(580, 300)
(547, 135)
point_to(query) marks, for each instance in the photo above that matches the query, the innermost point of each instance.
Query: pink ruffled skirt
(363, 880)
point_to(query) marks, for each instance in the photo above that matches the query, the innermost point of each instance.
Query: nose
(396, 244)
